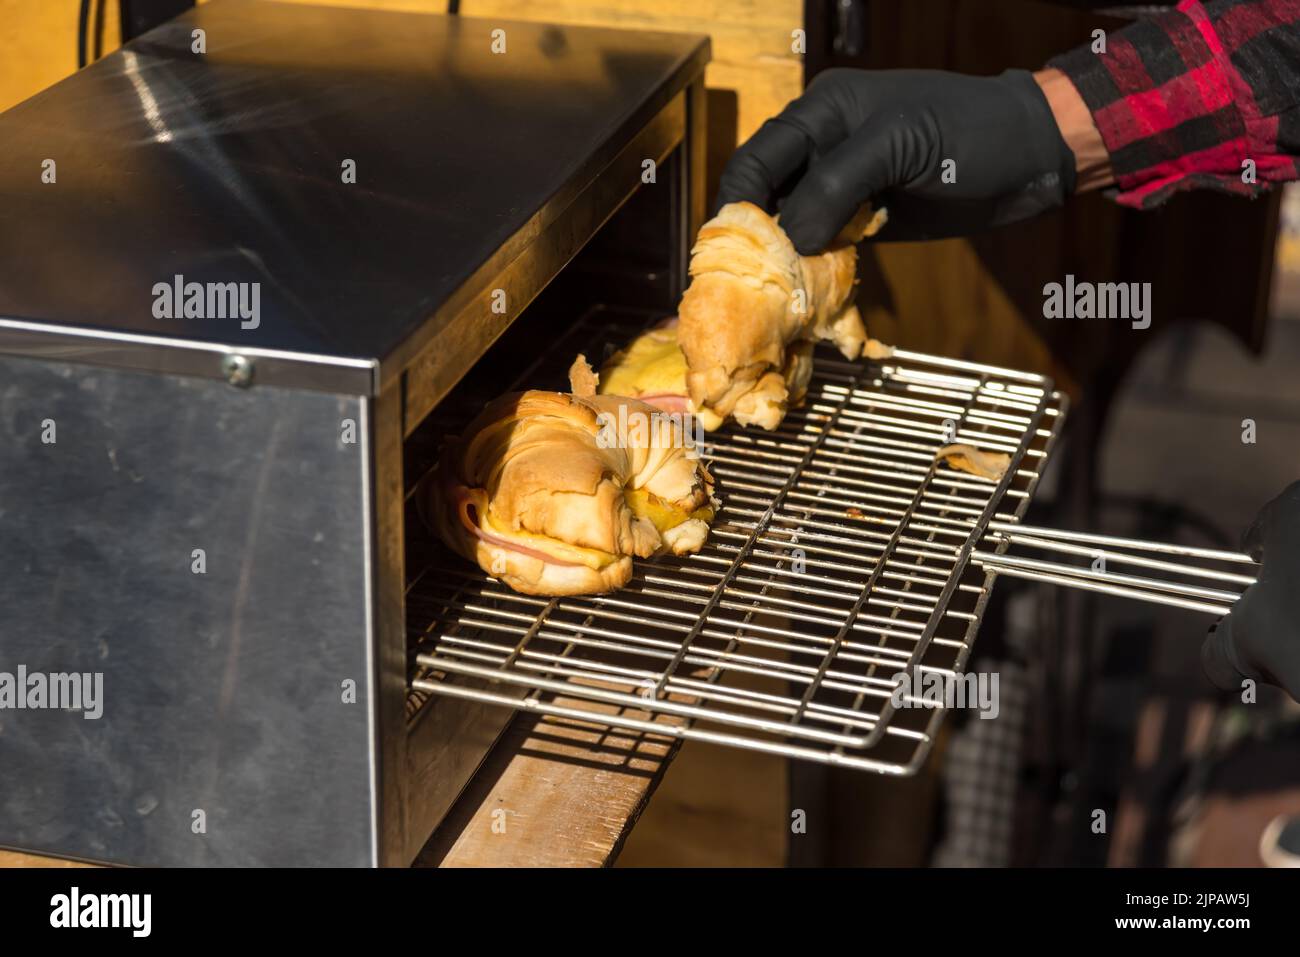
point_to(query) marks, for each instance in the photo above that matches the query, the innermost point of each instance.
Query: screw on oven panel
(238, 370)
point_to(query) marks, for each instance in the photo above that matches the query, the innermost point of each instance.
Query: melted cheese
(664, 516)
(652, 364)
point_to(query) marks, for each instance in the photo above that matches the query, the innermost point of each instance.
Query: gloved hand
(1260, 639)
(884, 136)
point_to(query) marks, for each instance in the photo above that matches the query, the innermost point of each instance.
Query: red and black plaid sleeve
(1183, 99)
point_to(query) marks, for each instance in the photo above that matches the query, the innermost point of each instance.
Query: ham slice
(668, 402)
(465, 503)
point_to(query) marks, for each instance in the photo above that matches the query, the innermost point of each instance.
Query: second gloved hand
(948, 154)
(1260, 640)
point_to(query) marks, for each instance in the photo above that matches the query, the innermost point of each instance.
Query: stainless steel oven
(236, 276)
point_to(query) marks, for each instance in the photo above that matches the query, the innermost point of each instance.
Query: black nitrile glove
(884, 136)
(1261, 638)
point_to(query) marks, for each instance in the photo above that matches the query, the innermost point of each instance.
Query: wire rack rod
(1181, 587)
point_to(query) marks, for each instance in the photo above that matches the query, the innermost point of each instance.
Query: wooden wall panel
(752, 47)
(40, 44)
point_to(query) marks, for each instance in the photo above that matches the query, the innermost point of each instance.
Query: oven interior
(625, 272)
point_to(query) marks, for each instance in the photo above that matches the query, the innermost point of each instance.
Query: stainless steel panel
(226, 166)
(207, 360)
(223, 691)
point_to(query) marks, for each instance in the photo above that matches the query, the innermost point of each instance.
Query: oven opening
(618, 284)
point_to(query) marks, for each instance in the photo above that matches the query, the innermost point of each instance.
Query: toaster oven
(244, 261)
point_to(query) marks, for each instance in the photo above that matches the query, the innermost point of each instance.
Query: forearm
(1092, 159)
(1197, 97)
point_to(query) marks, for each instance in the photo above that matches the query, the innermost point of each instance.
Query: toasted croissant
(554, 494)
(755, 307)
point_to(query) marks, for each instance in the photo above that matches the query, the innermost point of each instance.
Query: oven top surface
(229, 166)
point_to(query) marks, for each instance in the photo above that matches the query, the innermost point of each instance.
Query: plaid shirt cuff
(1185, 98)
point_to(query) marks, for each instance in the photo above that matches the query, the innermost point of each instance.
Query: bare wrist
(1074, 119)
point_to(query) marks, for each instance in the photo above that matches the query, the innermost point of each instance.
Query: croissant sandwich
(555, 494)
(754, 310)
(742, 345)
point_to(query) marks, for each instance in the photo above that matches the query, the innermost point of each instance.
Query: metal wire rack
(841, 559)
